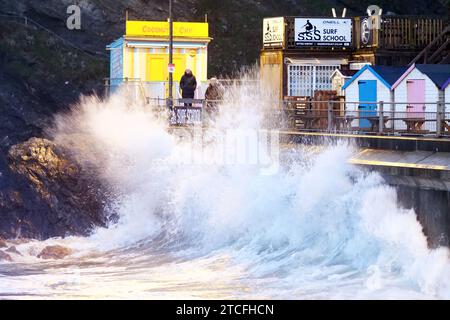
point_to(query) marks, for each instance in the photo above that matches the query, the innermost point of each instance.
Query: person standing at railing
(188, 85)
(213, 95)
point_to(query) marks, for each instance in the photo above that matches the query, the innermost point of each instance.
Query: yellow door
(180, 66)
(179, 60)
(157, 67)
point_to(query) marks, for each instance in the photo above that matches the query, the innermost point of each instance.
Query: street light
(170, 67)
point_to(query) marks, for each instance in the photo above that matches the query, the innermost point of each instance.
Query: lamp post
(170, 56)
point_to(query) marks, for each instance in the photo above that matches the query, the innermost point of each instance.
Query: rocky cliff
(44, 67)
(50, 195)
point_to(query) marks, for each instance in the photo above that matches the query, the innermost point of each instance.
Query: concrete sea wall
(419, 168)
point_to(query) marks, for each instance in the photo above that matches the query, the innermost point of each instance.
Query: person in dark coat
(213, 95)
(188, 85)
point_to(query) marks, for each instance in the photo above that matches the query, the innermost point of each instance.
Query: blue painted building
(368, 86)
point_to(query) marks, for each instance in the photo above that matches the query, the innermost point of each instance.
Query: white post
(330, 116)
(393, 117)
(439, 117)
(380, 117)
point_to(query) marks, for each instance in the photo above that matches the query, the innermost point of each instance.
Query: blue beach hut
(368, 86)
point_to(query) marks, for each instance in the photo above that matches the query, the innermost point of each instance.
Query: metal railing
(185, 112)
(381, 118)
(154, 89)
(132, 88)
(361, 117)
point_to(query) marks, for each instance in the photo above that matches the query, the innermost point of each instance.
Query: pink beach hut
(419, 89)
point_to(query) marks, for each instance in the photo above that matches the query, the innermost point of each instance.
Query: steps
(437, 52)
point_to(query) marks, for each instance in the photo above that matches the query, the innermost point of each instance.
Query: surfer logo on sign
(272, 32)
(308, 28)
(310, 33)
(268, 34)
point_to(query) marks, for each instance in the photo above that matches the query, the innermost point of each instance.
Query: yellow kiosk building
(142, 56)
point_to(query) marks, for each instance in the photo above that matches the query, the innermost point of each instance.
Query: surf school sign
(323, 32)
(273, 35)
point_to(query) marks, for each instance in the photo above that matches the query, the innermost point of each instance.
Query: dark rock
(54, 195)
(55, 252)
(13, 249)
(5, 257)
(3, 243)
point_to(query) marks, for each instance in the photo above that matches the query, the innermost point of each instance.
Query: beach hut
(368, 86)
(142, 55)
(420, 88)
(446, 89)
(339, 78)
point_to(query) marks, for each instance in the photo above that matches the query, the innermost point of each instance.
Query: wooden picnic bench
(344, 123)
(446, 126)
(414, 125)
(310, 121)
(375, 122)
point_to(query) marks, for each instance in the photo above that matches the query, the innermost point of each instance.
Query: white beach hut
(421, 87)
(446, 89)
(417, 92)
(369, 86)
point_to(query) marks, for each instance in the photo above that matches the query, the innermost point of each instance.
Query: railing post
(127, 90)
(202, 119)
(107, 88)
(380, 117)
(330, 116)
(439, 118)
(393, 117)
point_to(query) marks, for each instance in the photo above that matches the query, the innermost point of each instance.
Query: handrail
(431, 45)
(327, 118)
(142, 89)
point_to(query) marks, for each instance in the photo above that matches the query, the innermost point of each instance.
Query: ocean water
(195, 223)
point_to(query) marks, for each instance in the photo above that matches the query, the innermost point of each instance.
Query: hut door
(367, 94)
(156, 67)
(416, 98)
(180, 66)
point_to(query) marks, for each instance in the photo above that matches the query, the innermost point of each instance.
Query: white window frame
(315, 68)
